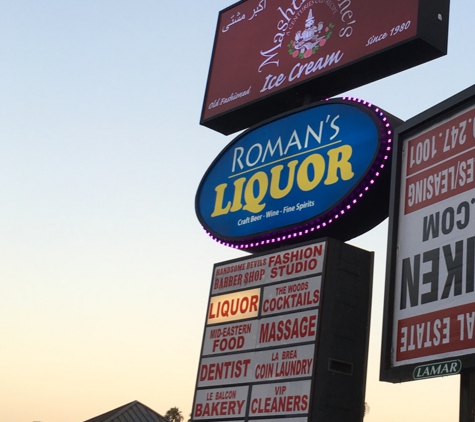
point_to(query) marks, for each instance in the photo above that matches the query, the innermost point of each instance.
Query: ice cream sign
(269, 55)
(299, 176)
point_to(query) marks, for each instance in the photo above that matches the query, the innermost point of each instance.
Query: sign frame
(439, 114)
(367, 201)
(429, 42)
(335, 386)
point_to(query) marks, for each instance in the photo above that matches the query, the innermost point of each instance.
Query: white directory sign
(235, 337)
(433, 243)
(260, 336)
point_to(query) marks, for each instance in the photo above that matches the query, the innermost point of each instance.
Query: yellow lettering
(253, 202)
(339, 159)
(276, 171)
(303, 179)
(238, 185)
(218, 205)
(309, 174)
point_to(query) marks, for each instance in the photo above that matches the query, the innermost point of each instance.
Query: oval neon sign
(300, 176)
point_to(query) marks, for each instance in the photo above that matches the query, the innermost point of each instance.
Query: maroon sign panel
(264, 48)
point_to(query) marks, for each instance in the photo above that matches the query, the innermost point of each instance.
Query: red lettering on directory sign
(296, 263)
(267, 365)
(220, 403)
(270, 268)
(280, 364)
(287, 398)
(236, 337)
(441, 333)
(288, 329)
(234, 306)
(300, 294)
(440, 162)
(223, 370)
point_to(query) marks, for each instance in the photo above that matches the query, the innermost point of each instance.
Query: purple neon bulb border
(321, 222)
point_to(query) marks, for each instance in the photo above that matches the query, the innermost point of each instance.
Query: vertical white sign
(434, 307)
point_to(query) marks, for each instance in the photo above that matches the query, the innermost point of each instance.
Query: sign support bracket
(467, 396)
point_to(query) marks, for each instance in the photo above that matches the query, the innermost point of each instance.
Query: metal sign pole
(467, 396)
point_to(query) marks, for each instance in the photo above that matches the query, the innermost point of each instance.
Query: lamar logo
(311, 39)
(440, 369)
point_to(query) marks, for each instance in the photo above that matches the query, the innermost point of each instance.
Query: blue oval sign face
(302, 171)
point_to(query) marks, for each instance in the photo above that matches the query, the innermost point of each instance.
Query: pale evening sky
(105, 270)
